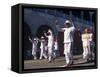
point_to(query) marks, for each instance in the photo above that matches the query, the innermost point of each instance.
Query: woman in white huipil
(86, 39)
(50, 44)
(42, 47)
(34, 46)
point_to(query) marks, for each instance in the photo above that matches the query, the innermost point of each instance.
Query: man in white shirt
(68, 41)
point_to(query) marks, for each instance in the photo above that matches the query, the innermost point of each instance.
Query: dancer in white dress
(34, 47)
(56, 52)
(42, 47)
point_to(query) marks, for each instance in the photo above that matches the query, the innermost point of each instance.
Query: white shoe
(66, 65)
(71, 62)
(35, 58)
(40, 58)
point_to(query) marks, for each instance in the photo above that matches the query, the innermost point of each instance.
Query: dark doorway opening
(27, 45)
(42, 29)
(60, 43)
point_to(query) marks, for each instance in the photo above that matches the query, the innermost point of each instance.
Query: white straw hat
(67, 21)
(35, 39)
(42, 37)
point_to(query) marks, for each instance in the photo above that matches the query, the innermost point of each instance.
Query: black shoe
(66, 65)
(72, 62)
(49, 61)
(53, 59)
(89, 60)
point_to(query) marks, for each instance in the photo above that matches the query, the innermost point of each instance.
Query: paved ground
(59, 62)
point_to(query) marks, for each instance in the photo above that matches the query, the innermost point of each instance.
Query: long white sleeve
(59, 29)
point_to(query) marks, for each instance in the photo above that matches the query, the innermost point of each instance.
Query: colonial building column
(91, 14)
(70, 15)
(82, 15)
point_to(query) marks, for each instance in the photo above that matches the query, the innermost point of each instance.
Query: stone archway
(41, 29)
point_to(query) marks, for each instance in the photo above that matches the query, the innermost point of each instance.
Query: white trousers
(50, 53)
(86, 52)
(43, 53)
(34, 52)
(68, 52)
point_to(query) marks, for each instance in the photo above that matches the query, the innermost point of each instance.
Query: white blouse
(86, 39)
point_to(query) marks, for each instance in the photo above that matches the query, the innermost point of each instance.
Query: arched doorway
(40, 32)
(41, 29)
(27, 44)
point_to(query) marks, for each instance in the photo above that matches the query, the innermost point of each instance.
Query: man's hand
(30, 39)
(45, 34)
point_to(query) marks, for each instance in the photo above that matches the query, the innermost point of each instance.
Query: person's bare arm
(45, 34)
(30, 39)
(60, 29)
(73, 27)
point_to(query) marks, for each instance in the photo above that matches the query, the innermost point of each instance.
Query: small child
(34, 47)
(56, 53)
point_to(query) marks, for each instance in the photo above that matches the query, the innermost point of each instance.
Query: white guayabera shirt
(68, 34)
(86, 38)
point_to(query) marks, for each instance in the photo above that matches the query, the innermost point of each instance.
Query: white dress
(34, 48)
(86, 45)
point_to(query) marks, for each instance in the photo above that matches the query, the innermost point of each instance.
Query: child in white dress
(34, 47)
